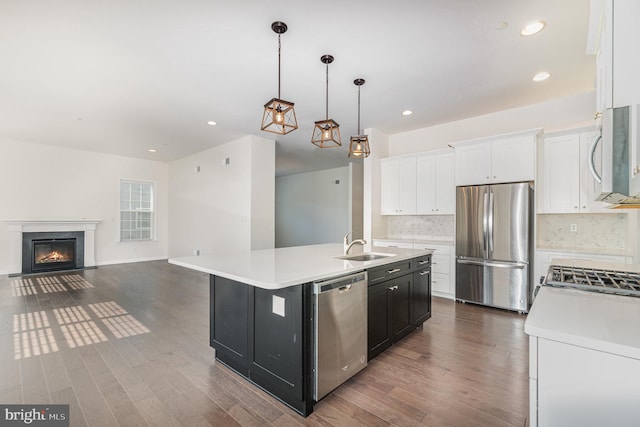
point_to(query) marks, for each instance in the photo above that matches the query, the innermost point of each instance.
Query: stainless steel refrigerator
(494, 245)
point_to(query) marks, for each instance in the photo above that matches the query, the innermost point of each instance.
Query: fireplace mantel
(18, 226)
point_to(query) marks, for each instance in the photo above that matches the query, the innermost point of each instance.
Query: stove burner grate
(607, 281)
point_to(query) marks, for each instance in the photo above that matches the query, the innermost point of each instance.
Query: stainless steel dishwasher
(340, 331)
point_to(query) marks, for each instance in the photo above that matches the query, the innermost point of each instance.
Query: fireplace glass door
(56, 254)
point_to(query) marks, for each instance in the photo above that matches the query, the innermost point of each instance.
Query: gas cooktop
(594, 280)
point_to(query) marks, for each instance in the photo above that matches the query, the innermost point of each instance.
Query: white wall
(559, 114)
(223, 207)
(374, 224)
(43, 182)
(263, 189)
(356, 197)
(311, 208)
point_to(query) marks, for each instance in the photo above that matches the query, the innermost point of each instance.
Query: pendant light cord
(327, 94)
(359, 133)
(279, 66)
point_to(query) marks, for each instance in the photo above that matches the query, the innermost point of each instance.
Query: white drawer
(439, 249)
(441, 282)
(441, 264)
(388, 244)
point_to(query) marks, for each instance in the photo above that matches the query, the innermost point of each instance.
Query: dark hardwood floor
(128, 345)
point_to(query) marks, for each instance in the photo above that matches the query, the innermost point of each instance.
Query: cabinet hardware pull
(422, 273)
(423, 262)
(395, 270)
(392, 288)
(592, 153)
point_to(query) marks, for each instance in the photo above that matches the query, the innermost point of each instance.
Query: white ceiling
(124, 76)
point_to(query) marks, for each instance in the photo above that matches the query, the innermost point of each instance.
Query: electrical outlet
(574, 227)
(196, 252)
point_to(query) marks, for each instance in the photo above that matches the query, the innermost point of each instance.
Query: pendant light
(359, 144)
(326, 133)
(279, 115)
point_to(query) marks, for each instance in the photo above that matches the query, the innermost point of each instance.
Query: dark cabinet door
(277, 356)
(229, 321)
(421, 297)
(400, 306)
(379, 321)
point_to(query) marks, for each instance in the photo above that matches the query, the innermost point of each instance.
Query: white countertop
(283, 267)
(592, 320)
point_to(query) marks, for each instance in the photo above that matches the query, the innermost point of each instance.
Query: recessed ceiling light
(532, 28)
(152, 150)
(502, 25)
(542, 75)
(407, 112)
(211, 123)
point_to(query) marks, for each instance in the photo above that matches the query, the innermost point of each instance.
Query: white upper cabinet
(561, 174)
(615, 31)
(508, 158)
(625, 57)
(567, 183)
(473, 164)
(398, 186)
(435, 185)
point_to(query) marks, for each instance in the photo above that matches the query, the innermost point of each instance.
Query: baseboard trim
(129, 261)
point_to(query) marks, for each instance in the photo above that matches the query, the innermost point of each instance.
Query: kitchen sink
(363, 257)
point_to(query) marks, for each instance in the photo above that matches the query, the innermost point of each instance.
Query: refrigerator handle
(490, 225)
(485, 224)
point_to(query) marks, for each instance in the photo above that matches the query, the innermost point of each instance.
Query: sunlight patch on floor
(32, 335)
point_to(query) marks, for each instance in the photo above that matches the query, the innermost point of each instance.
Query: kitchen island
(262, 309)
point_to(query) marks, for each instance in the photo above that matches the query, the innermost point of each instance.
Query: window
(136, 211)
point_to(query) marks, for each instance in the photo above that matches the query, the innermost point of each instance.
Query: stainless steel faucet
(347, 246)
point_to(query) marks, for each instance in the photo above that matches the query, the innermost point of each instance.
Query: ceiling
(123, 77)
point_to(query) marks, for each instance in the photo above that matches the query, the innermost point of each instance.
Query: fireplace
(52, 251)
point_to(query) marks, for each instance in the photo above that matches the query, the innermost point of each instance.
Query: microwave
(620, 173)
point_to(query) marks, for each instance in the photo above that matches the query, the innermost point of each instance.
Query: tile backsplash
(426, 227)
(600, 232)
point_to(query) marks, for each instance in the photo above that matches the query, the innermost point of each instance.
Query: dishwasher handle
(342, 283)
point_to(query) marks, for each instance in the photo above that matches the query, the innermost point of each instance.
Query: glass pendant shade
(326, 134)
(279, 117)
(359, 147)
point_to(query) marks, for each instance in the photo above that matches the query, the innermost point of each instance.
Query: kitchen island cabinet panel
(264, 335)
(390, 271)
(229, 321)
(400, 301)
(398, 304)
(277, 353)
(421, 296)
(379, 320)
